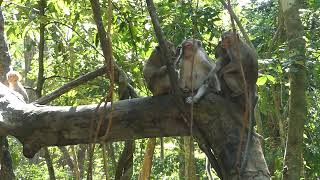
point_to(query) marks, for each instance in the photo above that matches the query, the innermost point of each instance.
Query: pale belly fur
(197, 78)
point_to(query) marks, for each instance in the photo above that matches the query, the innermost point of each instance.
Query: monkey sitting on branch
(197, 72)
(234, 57)
(156, 73)
(14, 78)
(238, 70)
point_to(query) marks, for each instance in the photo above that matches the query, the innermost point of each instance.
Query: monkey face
(228, 38)
(188, 49)
(13, 78)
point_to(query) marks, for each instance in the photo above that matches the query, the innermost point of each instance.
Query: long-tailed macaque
(155, 72)
(197, 72)
(14, 78)
(232, 53)
(234, 58)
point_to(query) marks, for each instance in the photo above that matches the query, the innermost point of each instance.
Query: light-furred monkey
(202, 74)
(233, 54)
(156, 73)
(14, 78)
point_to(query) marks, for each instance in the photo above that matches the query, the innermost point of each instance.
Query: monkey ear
(199, 43)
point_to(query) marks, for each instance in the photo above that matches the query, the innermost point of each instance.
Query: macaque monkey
(14, 78)
(156, 73)
(203, 73)
(233, 54)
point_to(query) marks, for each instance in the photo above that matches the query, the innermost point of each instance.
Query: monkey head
(189, 48)
(172, 51)
(228, 38)
(219, 51)
(13, 76)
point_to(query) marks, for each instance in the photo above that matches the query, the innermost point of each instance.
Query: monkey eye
(188, 45)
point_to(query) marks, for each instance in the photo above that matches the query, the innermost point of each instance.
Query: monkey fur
(204, 72)
(14, 78)
(155, 72)
(232, 53)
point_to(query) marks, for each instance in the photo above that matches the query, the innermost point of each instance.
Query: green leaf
(262, 80)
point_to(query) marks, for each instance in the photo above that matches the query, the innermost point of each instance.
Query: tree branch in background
(243, 31)
(72, 84)
(41, 78)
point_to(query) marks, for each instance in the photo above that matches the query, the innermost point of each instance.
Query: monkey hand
(191, 100)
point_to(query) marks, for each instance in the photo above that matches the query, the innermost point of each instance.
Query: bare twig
(243, 31)
(67, 87)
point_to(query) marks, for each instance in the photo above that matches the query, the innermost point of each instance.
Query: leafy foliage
(72, 49)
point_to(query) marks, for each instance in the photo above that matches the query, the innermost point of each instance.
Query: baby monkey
(156, 73)
(14, 78)
(197, 72)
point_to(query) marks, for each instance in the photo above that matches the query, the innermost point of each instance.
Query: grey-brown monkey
(234, 58)
(232, 53)
(197, 72)
(156, 73)
(14, 78)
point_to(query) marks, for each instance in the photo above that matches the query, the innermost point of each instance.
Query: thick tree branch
(39, 126)
(220, 120)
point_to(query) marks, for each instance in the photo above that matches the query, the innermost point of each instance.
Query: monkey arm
(162, 71)
(201, 91)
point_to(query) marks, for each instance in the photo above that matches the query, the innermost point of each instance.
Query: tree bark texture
(297, 103)
(36, 126)
(6, 170)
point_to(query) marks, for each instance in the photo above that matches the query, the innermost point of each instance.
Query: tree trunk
(5, 59)
(67, 157)
(297, 103)
(49, 163)
(6, 170)
(145, 172)
(124, 169)
(190, 169)
(81, 155)
(181, 158)
(75, 164)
